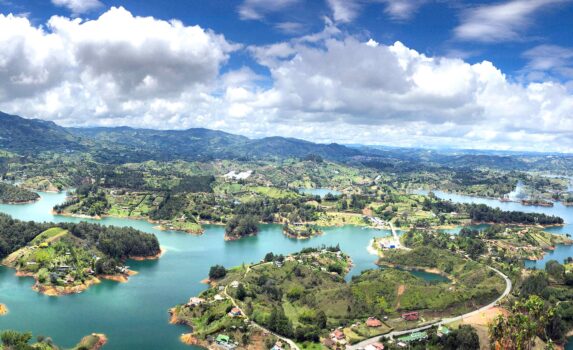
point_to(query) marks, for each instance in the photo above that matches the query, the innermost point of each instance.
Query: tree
(464, 337)
(321, 319)
(555, 270)
(528, 319)
(241, 292)
(217, 272)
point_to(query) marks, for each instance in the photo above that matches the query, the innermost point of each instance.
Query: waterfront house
(373, 322)
(194, 301)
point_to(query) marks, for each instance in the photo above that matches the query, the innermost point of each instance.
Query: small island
(10, 194)
(68, 258)
(300, 230)
(240, 227)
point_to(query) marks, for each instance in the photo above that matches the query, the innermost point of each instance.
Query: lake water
(559, 254)
(134, 315)
(318, 191)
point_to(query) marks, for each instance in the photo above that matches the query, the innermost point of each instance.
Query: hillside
(23, 136)
(123, 144)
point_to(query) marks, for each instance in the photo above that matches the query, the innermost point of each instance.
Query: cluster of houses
(337, 336)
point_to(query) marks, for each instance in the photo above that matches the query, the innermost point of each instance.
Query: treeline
(14, 194)
(14, 234)
(115, 242)
(484, 213)
(238, 227)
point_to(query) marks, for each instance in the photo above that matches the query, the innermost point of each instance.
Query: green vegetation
(14, 194)
(13, 340)
(66, 258)
(304, 295)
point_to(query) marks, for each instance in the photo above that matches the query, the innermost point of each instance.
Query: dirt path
(401, 290)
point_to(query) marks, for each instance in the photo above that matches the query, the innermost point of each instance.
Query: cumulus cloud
(120, 69)
(78, 6)
(503, 21)
(113, 66)
(383, 92)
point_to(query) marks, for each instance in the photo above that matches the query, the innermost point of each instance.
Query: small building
(194, 301)
(411, 316)
(412, 337)
(374, 346)
(442, 330)
(235, 312)
(338, 336)
(278, 346)
(235, 284)
(218, 297)
(373, 322)
(222, 339)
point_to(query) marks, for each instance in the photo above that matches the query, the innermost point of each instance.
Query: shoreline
(3, 310)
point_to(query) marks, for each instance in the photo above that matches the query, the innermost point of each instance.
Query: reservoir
(134, 315)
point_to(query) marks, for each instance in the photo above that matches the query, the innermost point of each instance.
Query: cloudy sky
(427, 73)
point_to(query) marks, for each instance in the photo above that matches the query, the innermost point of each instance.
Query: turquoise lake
(134, 315)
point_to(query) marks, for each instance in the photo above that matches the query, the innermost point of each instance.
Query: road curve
(508, 287)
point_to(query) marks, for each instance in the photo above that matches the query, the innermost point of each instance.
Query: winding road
(508, 287)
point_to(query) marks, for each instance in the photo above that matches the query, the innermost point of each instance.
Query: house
(278, 346)
(222, 339)
(373, 322)
(412, 337)
(337, 336)
(411, 316)
(235, 312)
(442, 330)
(218, 297)
(278, 263)
(235, 284)
(374, 346)
(194, 301)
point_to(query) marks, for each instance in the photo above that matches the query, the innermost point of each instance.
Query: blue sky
(474, 74)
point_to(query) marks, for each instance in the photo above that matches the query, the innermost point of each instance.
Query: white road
(508, 286)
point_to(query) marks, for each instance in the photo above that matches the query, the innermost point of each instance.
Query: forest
(114, 242)
(14, 194)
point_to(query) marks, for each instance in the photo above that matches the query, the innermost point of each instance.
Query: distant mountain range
(124, 144)
(25, 136)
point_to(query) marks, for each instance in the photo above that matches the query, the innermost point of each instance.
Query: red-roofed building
(373, 322)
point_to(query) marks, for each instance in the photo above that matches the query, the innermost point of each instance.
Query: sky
(408, 73)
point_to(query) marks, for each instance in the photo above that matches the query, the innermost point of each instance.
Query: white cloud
(78, 6)
(258, 9)
(120, 69)
(387, 94)
(503, 21)
(346, 11)
(549, 59)
(115, 65)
